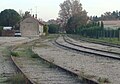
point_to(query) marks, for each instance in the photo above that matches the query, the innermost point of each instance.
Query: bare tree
(72, 10)
(65, 12)
(76, 7)
(21, 13)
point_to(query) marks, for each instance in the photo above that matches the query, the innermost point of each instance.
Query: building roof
(35, 19)
(112, 23)
(38, 21)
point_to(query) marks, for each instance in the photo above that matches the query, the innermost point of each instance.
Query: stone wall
(30, 27)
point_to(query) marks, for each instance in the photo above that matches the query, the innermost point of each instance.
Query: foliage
(72, 15)
(17, 79)
(9, 17)
(75, 22)
(29, 52)
(14, 54)
(103, 80)
(1, 28)
(115, 15)
(102, 24)
(45, 29)
(53, 28)
(34, 55)
(98, 32)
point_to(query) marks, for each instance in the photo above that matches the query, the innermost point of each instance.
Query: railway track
(67, 44)
(9, 74)
(19, 70)
(101, 43)
(41, 71)
(27, 80)
(47, 75)
(69, 40)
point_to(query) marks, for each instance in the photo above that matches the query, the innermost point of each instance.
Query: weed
(41, 45)
(6, 51)
(51, 65)
(103, 80)
(34, 55)
(51, 60)
(14, 54)
(16, 79)
(82, 73)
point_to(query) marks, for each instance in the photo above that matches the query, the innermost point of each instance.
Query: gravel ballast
(93, 67)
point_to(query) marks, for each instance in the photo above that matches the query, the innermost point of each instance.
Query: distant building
(30, 26)
(113, 24)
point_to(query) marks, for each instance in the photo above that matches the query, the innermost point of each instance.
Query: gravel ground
(93, 67)
(41, 73)
(6, 67)
(95, 46)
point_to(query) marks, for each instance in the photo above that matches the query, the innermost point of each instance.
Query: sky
(49, 9)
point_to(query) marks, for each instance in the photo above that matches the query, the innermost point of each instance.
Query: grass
(51, 65)
(26, 52)
(6, 51)
(103, 80)
(52, 36)
(15, 54)
(16, 79)
(107, 40)
(41, 45)
(34, 55)
(84, 76)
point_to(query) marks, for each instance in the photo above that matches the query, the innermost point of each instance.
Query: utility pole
(30, 10)
(36, 12)
(36, 9)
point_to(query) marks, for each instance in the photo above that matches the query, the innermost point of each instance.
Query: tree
(118, 34)
(76, 7)
(102, 24)
(75, 22)
(21, 13)
(115, 15)
(65, 12)
(53, 28)
(72, 15)
(9, 17)
(45, 29)
(1, 28)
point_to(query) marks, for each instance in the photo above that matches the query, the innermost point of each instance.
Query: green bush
(45, 29)
(53, 28)
(34, 56)
(30, 53)
(16, 79)
(14, 54)
(1, 28)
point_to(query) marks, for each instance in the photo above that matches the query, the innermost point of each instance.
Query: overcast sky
(48, 9)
